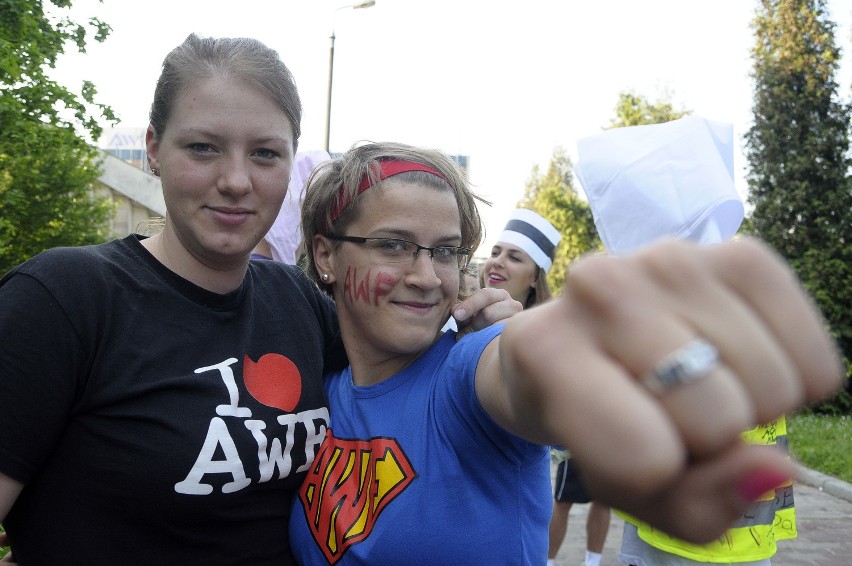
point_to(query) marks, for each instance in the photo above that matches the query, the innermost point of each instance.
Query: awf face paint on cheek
(367, 289)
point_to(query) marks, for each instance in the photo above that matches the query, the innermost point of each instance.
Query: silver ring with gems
(685, 365)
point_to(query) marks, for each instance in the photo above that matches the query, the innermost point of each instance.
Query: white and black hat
(533, 234)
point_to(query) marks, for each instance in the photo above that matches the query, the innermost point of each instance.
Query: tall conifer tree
(798, 155)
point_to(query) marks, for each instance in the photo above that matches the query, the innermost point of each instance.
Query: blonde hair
(334, 185)
(204, 57)
(540, 292)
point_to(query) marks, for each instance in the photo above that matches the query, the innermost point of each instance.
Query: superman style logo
(349, 485)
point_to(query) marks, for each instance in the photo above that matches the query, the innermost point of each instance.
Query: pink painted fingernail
(758, 483)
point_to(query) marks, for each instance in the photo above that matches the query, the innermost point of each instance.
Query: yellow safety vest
(753, 536)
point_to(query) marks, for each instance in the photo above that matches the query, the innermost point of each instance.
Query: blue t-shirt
(414, 471)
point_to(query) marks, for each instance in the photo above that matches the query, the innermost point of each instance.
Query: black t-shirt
(153, 421)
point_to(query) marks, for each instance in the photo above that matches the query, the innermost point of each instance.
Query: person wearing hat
(522, 257)
(686, 193)
(519, 263)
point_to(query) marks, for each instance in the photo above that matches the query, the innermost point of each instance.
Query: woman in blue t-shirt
(435, 453)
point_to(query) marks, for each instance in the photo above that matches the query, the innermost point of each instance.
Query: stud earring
(155, 171)
(325, 277)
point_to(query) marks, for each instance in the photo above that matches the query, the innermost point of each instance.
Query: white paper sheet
(663, 180)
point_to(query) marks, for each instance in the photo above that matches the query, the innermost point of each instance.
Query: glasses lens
(391, 250)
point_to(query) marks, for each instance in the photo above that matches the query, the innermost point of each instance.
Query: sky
(502, 82)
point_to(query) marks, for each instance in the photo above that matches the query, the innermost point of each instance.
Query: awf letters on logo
(274, 381)
(349, 485)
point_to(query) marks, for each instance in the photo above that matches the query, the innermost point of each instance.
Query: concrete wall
(137, 195)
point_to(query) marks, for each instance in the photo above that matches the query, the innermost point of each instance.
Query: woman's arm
(569, 373)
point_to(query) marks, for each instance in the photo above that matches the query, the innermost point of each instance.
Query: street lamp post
(365, 4)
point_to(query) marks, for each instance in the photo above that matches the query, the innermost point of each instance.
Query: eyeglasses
(394, 250)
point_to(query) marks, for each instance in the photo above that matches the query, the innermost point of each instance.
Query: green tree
(636, 110)
(798, 157)
(554, 196)
(47, 166)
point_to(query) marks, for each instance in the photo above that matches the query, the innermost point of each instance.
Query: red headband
(386, 168)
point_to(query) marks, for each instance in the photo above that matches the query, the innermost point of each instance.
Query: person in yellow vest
(751, 541)
(676, 180)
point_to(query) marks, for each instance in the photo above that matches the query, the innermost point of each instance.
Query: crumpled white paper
(663, 180)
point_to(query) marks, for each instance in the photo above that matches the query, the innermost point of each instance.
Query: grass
(822, 443)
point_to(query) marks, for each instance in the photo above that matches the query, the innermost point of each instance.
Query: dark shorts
(568, 488)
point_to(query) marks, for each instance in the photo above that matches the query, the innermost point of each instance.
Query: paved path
(824, 517)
